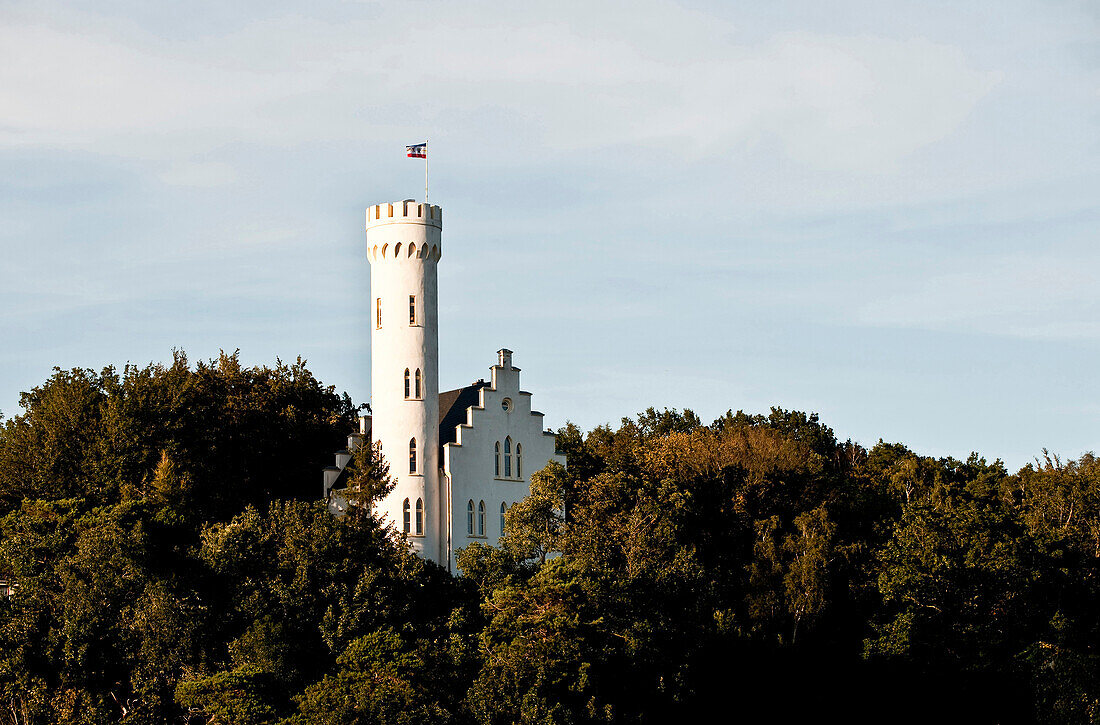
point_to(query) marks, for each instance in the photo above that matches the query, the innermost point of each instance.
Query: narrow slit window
(405, 516)
(406, 383)
(503, 508)
(481, 518)
(378, 313)
(470, 517)
(412, 309)
(496, 461)
(519, 461)
(419, 517)
(412, 455)
(418, 393)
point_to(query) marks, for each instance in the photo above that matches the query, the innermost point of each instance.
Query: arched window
(419, 517)
(412, 455)
(496, 461)
(481, 518)
(519, 461)
(406, 383)
(508, 457)
(418, 396)
(405, 516)
(470, 517)
(503, 508)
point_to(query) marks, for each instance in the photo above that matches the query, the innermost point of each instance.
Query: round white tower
(403, 247)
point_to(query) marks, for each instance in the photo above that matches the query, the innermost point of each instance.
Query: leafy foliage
(172, 565)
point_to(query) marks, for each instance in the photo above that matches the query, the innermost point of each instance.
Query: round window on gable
(506, 404)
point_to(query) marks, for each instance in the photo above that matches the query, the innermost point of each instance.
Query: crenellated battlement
(404, 230)
(405, 211)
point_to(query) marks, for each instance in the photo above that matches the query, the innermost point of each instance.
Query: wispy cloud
(691, 187)
(838, 102)
(199, 173)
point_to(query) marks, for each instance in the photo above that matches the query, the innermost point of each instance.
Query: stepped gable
(453, 405)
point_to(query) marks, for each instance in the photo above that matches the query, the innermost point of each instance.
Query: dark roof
(452, 410)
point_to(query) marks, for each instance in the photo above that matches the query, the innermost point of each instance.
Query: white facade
(403, 247)
(496, 449)
(457, 457)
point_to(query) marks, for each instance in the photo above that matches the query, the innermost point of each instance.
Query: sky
(882, 212)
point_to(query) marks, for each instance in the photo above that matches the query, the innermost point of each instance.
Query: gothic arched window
(418, 395)
(470, 517)
(419, 517)
(508, 457)
(519, 461)
(481, 518)
(412, 455)
(406, 383)
(405, 516)
(503, 508)
(496, 461)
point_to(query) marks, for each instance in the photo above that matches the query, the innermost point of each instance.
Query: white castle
(462, 457)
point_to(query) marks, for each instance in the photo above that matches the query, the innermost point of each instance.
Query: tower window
(503, 508)
(412, 455)
(507, 457)
(419, 517)
(470, 517)
(519, 461)
(406, 383)
(496, 461)
(378, 313)
(412, 309)
(418, 393)
(405, 516)
(481, 518)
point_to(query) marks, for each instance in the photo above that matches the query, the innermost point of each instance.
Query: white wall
(470, 460)
(404, 246)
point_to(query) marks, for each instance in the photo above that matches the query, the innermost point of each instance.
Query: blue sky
(883, 212)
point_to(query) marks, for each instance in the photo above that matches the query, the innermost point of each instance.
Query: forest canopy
(169, 561)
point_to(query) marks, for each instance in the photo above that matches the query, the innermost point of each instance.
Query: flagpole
(425, 171)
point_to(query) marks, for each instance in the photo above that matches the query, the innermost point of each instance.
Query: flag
(418, 151)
